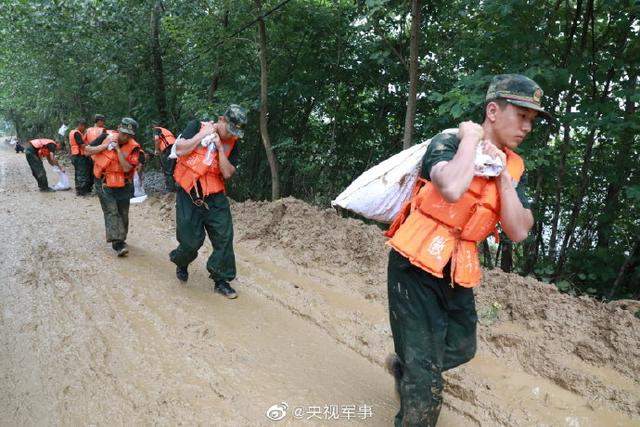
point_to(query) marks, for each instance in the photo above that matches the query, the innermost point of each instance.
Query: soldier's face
(122, 138)
(100, 123)
(512, 125)
(222, 131)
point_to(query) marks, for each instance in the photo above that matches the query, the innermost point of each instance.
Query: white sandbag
(380, 192)
(138, 199)
(484, 164)
(62, 131)
(174, 154)
(63, 180)
(138, 188)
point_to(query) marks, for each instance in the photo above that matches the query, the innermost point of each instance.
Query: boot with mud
(224, 288)
(120, 248)
(393, 365)
(182, 273)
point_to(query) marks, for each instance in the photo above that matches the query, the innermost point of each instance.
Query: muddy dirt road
(86, 338)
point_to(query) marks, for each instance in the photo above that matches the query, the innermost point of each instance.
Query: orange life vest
(98, 132)
(429, 231)
(165, 139)
(75, 148)
(40, 145)
(106, 165)
(92, 133)
(192, 169)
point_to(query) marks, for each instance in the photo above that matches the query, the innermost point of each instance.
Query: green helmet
(98, 117)
(236, 120)
(518, 90)
(128, 126)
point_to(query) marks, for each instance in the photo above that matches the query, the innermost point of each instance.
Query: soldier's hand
(208, 128)
(470, 130)
(218, 143)
(493, 151)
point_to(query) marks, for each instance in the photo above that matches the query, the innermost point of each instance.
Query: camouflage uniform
(215, 219)
(115, 207)
(83, 169)
(432, 321)
(115, 201)
(83, 173)
(168, 165)
(193, 223)
(37, 167)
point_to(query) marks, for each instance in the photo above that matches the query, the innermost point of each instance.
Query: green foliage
(489, 315)
(338, 79)
(563, 285)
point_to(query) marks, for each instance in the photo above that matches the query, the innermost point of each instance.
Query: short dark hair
(81, 122)
(502, 103)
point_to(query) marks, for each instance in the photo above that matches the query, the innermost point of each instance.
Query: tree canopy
(338, 81)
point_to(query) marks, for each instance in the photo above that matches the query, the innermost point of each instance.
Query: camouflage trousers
(83, 168)
(168, 165)
(115, 207)
(37, 168)
(434, 329)
(192, 222)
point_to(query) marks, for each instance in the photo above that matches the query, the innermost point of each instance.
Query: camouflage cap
(98, 117)
(128, 126)
(517, 90)
(236, 120)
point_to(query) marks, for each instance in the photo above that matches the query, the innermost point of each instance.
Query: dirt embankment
(578, 345)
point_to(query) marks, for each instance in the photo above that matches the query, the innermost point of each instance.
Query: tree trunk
(631, 263)
(217, 72)
(486, 252)
(611, 209)
(557, 201)
(264, 111)
(533, 251)
(158, 73)
(572, 32)
(410, 116)
(531, 247)
(570, 29)
(506, 254)
(577, 203)
(14, 117)
(586, 159)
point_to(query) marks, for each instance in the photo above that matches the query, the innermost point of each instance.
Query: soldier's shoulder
(446, 140)
(192, 128)
(448, 135)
